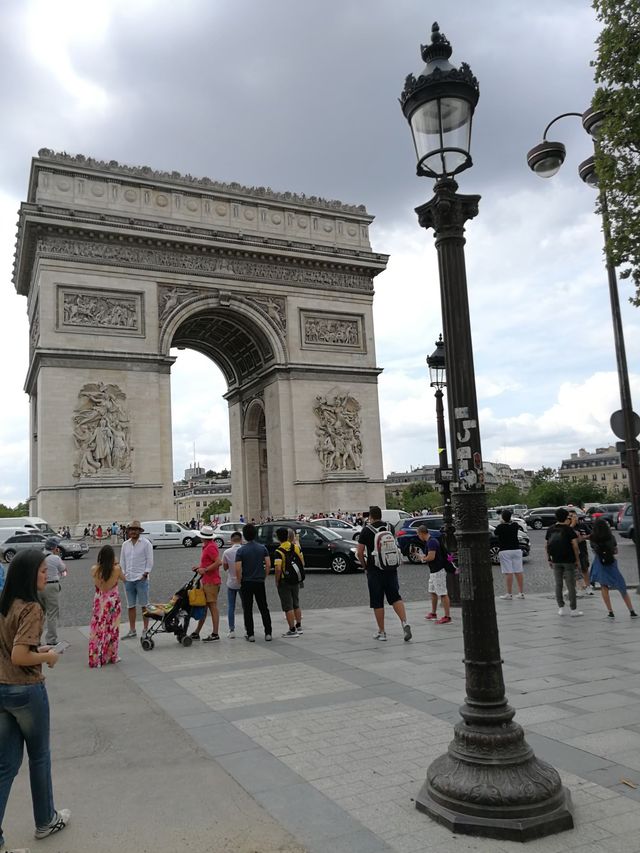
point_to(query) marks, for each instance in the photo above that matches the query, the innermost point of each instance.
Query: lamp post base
(491, 784)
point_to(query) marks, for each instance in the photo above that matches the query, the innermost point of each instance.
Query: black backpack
(445, 557)
(606, 552)
(557, 543)
(292, 570)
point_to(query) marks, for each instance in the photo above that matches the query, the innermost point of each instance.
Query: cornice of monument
(78, 235)
(83, 164)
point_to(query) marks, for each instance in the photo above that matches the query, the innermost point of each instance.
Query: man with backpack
(378, 554)
(289, 572)
(562, 552)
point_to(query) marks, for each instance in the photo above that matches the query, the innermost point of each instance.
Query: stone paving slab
(332, 732)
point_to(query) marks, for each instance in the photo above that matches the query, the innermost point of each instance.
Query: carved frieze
(338, 441)
(112, 311)
(332, 331)
(101, 431)
(198, 263)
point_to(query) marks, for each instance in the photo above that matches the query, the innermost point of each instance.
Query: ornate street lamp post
(545, 160)
(444, 475)
(489, 782)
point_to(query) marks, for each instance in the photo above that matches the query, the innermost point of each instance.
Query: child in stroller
(172, 617)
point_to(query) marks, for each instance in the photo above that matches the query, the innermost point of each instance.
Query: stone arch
(231, 332)
(119, 263)
(255, 458)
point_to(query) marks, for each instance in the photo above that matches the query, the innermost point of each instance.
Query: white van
(32, 522)
(394, 516)
(169, 533)
(6, 532)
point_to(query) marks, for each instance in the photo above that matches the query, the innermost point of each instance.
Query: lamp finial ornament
(440, 47)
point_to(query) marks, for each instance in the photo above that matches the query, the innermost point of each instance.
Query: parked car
(607, 511)
(22, 542)
(495, 517)
(434, 524)
(626, 527)
(322, 548)
(348, 531)
(543, 516)
(222, 533)
(168, 532)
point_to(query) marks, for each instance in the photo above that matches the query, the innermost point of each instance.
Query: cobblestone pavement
(322, 588)
(332, 732)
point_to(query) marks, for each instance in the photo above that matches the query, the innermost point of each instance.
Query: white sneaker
(60, 819)
(231, 635)
(562, 611)
(507, 596)
(520, 595)
(589, 591)
(381, 635)
(576, 613)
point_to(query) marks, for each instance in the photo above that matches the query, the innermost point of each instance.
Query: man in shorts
(509, 554)
(430, 547)
(289, 593)
(136, 561)
(381, 582)
(209, 571)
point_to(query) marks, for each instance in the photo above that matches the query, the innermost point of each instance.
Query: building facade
(602, 468)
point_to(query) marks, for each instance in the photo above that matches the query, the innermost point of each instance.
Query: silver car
(343, 528)
(24, 541)
(222, 533)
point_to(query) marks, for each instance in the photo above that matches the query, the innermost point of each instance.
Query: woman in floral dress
(104, 631)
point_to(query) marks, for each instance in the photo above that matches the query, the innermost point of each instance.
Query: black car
(434, 524)
(322, 548)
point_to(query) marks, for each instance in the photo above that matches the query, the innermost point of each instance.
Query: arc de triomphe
(119, 264)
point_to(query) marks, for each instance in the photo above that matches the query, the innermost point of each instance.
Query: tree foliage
(14, 512)
(215, 508)
(617, 73)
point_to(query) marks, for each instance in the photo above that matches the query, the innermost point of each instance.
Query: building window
(594, 476)
(615, 475)
(603, 476)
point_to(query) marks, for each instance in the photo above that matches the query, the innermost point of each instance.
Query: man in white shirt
(136, 562)
(49, 597)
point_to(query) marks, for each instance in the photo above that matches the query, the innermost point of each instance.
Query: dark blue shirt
(252, 556)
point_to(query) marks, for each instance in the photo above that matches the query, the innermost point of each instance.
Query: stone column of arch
(122, 264)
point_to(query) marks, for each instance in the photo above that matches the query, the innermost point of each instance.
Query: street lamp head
(546, 158)
(587, 172)
(592, 121)
(439, 105)
(437, 366)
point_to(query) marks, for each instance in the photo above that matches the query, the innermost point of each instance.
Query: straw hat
(135, 525)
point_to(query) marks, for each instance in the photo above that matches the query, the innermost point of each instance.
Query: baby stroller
(170, 618)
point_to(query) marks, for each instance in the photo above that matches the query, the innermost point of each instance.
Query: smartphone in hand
(60, 647)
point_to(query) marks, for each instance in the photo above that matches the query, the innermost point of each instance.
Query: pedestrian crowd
(29, 609)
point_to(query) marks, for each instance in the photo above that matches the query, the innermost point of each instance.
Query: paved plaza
(321, 743)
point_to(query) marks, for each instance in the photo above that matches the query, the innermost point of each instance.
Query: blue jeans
(232, 594)
(24, 719)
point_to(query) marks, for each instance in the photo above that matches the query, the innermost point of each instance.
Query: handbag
(196, 595)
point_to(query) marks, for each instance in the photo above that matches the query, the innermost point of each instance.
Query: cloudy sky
(302, 96)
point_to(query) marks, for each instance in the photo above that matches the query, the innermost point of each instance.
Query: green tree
(14, 512)
(505, 495)
(210, 473)
(218, 507)
(547, 493)
(584, 492)
(617, 73)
